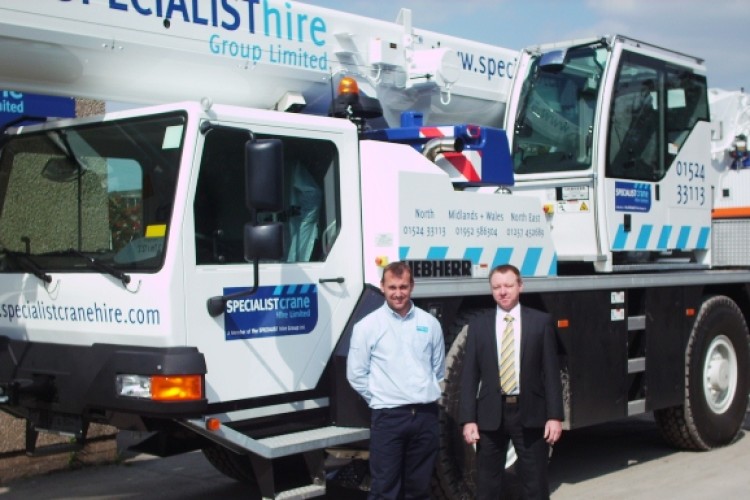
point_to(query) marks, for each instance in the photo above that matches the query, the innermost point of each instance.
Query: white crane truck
(193, 269)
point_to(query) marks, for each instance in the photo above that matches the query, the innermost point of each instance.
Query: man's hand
(552, 431)
(471, 433)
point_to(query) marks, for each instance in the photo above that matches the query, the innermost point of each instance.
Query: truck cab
(613, 136)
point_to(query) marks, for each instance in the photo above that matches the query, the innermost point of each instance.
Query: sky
(715, 30)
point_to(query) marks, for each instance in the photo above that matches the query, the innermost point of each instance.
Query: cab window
(311, 213)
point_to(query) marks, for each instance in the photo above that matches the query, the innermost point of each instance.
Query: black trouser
(403, 447)
(532, 451)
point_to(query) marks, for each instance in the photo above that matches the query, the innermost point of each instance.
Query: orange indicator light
(176, 387)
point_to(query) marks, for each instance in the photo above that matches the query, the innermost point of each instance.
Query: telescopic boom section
(252, 56)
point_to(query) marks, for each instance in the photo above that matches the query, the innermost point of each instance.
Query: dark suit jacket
(541, 389)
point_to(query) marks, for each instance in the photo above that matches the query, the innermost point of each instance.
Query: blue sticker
(272, 311)
(632, 197)
(423, 329)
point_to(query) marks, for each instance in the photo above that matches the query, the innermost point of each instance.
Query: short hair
(398, 269)
(504, 268)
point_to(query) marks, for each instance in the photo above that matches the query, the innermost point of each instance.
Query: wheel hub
(718, 374)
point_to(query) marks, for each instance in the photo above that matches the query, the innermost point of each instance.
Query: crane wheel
(717, 380)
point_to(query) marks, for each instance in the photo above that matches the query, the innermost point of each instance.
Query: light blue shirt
(396, 361)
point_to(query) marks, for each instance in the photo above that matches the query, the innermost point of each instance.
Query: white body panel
(248, 53)
(572, 220)
(253, 367)
(88, 304)
(411, 211)
(679, 217)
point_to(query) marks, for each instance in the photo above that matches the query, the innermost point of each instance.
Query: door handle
(340, 279)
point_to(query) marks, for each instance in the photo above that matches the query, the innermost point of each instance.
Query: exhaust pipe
(436, 146)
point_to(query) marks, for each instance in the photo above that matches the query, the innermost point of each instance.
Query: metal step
(636, 407)
(282, 445)
(636, 365)
(309, 491)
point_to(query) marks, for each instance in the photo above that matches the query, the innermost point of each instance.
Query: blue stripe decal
(666, 232)
(502, 256)
(620, 238)
(437, 253)
(473, 254)
(403, 252)
(682, 240)
(278, 290)
(531, 261)
(703, 238)
(643, 236)
(553, 266)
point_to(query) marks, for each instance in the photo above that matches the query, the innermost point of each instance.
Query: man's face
(506, 289)
(397, 291)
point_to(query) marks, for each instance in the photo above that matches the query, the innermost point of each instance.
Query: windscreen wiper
(102, 266)
(4, 137)
(25, 262)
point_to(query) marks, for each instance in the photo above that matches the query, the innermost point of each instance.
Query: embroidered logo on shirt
(423, 329)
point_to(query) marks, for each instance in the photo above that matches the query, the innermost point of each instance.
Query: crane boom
(246, 53)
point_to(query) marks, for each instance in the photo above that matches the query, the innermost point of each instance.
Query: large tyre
(455, 477)
(717, 379)
(232, 465)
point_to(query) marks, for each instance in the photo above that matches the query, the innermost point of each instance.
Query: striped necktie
(507, 358)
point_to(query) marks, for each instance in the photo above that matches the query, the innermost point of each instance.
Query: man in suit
(511, 389)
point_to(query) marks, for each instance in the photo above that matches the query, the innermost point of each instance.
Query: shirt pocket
(421, 345)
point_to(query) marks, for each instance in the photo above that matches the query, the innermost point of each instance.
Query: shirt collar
(396, 315)
(515, 312)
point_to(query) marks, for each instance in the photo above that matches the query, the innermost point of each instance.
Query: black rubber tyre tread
(693, 425)
(232, 465)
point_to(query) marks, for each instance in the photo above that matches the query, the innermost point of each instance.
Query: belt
(415, 408)
(510, 400)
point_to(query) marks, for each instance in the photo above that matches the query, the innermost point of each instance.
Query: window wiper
(4, 137)
(101, 266)
(25, 262)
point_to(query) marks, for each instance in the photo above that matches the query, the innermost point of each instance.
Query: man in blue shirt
(396, 363)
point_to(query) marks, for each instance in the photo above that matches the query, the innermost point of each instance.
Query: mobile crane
(193, 269)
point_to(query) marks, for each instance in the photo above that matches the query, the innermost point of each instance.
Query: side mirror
(264, 242)
(264, 175)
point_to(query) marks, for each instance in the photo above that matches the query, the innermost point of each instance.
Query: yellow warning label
(584, 207)
(156, 230)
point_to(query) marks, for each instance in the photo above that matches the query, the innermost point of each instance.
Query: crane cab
(613, 136)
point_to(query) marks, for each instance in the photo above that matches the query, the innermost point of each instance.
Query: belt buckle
(511, 400)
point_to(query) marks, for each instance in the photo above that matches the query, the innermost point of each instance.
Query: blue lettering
(251, 15)
(113, 4)
(178, 5)
(317, 26)
(197, 19)
(236, 21)
(141, 10)
(262, 18)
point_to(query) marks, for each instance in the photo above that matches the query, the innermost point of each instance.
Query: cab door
(279, 339)
(658, 173)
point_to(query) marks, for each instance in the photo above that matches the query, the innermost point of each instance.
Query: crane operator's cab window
(311, 214)
(654, 108)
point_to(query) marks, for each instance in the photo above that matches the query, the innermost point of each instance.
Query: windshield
(105, 190)
(554, 126)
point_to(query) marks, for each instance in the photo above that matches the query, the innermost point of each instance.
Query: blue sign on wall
(16, 104)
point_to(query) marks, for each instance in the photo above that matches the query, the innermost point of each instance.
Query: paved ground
(623, 459)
